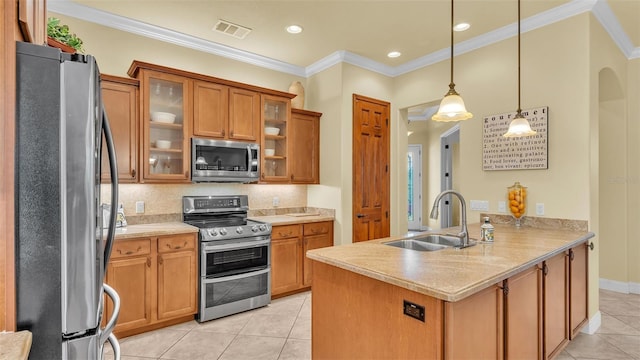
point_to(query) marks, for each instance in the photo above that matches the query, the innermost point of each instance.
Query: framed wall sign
(500, 153)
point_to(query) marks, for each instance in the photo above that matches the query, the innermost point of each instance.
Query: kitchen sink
(429, 242)
(414, 244)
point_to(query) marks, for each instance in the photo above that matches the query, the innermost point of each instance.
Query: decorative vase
(57, 44)
(298, 101)
(517, 199)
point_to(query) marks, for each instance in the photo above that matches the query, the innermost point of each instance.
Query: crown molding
(69, 8)
(599, 8)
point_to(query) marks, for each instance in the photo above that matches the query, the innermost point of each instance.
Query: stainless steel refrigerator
(61, 252)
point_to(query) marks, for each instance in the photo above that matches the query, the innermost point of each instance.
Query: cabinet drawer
(175, 243)
(285, 231)
(124, 248)
(317, 228)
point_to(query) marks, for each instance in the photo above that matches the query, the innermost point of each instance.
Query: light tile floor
(282, 331)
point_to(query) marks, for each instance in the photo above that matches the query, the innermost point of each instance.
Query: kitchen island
(523, 296)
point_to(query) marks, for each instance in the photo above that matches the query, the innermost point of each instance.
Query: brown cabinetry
(473, 327)
(166, 114)
(523, 315)
(304, 147)
(155, 278)
(120, 99)
(286, 259)
(578, 272)
(275, 152)
(290, 269)
(316, 235)
(221, 112)
(556, 290)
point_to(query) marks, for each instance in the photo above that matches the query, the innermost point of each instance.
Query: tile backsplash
(165, 200)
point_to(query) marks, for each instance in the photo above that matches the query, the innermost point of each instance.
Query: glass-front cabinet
(166, 116)
(276, 113)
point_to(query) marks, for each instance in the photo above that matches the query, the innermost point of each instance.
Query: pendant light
(452, 106)
(519, 126)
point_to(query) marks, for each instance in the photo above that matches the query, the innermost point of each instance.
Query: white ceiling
(357, 31)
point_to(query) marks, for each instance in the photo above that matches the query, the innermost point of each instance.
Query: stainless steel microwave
(224, 161)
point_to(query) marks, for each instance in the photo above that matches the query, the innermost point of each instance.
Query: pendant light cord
(452, 85)
(519, 109)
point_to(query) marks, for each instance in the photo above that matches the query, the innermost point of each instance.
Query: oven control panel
(235, 232)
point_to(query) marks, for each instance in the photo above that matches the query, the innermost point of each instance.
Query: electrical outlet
(539, 209)
(502, 206)
(139, 207)
(479, 205)
(276, 201)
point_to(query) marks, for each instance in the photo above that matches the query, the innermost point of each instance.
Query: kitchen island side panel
(357, 317)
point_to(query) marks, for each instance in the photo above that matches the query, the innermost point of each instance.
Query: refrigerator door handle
(115, 345)
(107, 332)
(113, 169)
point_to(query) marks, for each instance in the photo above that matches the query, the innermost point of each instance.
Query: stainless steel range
(235, 255)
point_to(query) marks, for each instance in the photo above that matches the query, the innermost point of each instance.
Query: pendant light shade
(519, 126)
(452, 106)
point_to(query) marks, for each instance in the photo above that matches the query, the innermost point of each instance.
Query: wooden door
(210, 109)
(316, 235)
(523, 315)
(556, 332)
(120, 98)
(473, 327)
(370, 169)
(304, 145)
(244, 115)
(286, 259)
(578, 262)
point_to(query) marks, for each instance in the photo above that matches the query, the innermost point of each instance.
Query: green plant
(62, 34)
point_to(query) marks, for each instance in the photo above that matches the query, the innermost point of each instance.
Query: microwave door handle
(113, 169)
(250, 155)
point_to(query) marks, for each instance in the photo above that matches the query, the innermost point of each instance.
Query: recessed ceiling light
(394, 54)
(461, 27)
(294, 29)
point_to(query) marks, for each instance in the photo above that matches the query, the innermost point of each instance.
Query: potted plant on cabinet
(59, 36)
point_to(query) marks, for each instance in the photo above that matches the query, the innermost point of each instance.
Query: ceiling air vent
(229, 28)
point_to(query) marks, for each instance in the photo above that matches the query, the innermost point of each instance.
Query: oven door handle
(236, 246)
(236, 277)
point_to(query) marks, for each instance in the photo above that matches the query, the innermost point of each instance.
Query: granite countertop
(295, 218)
(452, 274)
(15, 345)
(158, 229)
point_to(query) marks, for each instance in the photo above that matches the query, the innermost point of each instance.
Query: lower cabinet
(578, 276)
(476, 321)
(290, 269)
(156, 279)
(523, 315)
(555, 288)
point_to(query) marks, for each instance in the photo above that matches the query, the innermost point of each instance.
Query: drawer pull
(129, 252)
(178, 247)
(285, 234)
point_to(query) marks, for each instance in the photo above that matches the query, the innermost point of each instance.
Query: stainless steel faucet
(464, 233)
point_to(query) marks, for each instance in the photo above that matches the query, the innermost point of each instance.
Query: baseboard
(593, 324)
(619, 286)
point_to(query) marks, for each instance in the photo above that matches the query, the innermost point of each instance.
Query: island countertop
(453, 274)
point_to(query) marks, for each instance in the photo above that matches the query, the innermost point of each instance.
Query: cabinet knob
(545, 269)
(160, 261)
(133, 173)
(590, 245)
(231, 133)
(223, 132)
(186, 174)
(572, 255)
(148, 261)
(262, 175)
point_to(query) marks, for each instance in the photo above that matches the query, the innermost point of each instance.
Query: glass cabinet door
(275, 118)
(166, 117)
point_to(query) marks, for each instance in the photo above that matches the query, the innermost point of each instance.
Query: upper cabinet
(223, 112)
(276, 115)
(166, 113)
(120, 99)
(304, 146)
